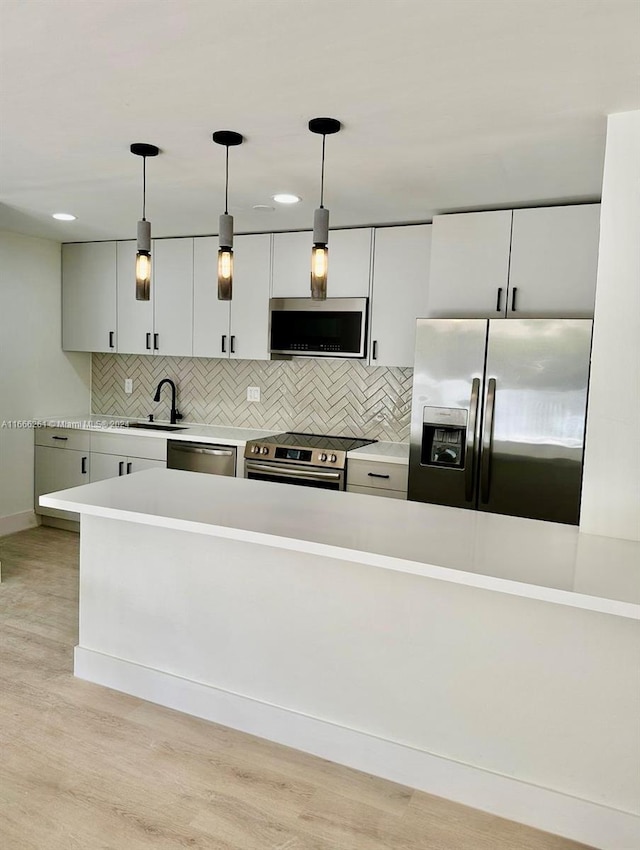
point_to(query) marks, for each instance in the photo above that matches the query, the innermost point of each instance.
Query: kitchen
(382, 392)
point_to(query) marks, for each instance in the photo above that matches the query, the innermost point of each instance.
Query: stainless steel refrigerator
(498, 415)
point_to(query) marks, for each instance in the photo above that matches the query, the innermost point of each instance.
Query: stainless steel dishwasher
(201, 457)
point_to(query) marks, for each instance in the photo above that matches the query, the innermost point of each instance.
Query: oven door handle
(292, 472)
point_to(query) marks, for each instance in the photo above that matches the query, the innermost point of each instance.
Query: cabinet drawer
(153, 448)
(385, 476)
(377, 491)
(63, 438)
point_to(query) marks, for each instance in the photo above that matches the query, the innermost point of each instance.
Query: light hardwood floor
(86, 768)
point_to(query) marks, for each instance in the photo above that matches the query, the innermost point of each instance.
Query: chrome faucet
(175, 413)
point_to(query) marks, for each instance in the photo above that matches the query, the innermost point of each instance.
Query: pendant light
(319, 252)
(143, 255)
(227, 138)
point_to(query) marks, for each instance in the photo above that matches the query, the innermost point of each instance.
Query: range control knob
(255, 450)
(333, 458)
(323, 457)
(265, 450)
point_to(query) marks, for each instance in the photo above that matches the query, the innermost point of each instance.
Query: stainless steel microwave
(335, 327)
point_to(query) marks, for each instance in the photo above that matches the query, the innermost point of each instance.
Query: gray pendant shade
(225, 257)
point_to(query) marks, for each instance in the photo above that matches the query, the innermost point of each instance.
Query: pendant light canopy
(143, 255)
(319, 252)
(227, 138)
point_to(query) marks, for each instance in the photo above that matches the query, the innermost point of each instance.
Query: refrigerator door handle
(487, 442)
(470, 459)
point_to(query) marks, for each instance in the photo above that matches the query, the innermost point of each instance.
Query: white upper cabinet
(554, 260)
(162, 325)
(173, 297)
(528, 263)
(349, 264)
(89, 296)
(249, 331)
(469, 272)
(210, 316)
(399, 295)
(135, 318)
(237, 328)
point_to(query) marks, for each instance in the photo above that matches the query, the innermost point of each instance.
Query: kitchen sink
(152, 426)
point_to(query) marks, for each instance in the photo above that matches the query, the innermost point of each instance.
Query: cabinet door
(349, 264)
(135, 318)
(173, 297)
(210, 316)
(469, 265)
(107, 466)
(89, 296)
(250, 306)
(138, 464)
(399, 294)
(58, 469)
(554, 261)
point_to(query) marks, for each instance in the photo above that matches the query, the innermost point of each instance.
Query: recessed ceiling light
(286, 198)
(263, 208)
(64, 216)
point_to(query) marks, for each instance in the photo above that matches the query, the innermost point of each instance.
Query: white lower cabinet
(113, 455)
(111, 466)
(61, 461)
(378, 478)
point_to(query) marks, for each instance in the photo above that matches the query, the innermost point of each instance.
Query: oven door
(303, 476)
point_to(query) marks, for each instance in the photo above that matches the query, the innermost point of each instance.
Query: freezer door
(535, 400)
(445, 423)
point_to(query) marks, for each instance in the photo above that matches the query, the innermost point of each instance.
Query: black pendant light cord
(226, 183)
(144, 187)
(322, 175)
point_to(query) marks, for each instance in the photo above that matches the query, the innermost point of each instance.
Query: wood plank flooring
(86, 768)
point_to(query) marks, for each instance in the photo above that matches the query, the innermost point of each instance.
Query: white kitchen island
(491, 660)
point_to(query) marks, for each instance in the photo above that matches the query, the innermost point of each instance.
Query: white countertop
(382, 451)
(192, 432)
(539, 560)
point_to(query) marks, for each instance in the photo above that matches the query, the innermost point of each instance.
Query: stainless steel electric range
(309, 460)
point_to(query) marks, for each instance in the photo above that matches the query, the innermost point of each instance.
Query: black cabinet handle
(111, 335)
(83, 467)
(224, 343)
(374, 353)
(377, 475)
(513, 299)
(129, 465)
(156, 342)
(121, 468)
(148, 346)
(499, 301)
(60, 438)
(233, 344)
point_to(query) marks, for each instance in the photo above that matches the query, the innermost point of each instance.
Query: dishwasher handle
(197, 450)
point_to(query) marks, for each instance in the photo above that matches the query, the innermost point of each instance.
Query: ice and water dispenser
(444, 432)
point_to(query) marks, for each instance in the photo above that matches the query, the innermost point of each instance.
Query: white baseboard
(552, 811)
(17, 522)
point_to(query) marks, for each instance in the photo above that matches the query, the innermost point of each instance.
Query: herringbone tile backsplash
(316, 396)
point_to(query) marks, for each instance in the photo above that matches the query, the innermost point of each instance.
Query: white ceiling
(446, 104)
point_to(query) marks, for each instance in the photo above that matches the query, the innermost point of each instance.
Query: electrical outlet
(253, 393)
(128, 385)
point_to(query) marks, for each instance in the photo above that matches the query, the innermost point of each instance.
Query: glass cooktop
(319, 441)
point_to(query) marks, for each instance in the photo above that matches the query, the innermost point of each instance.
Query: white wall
(37, 379)
(611, 484)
